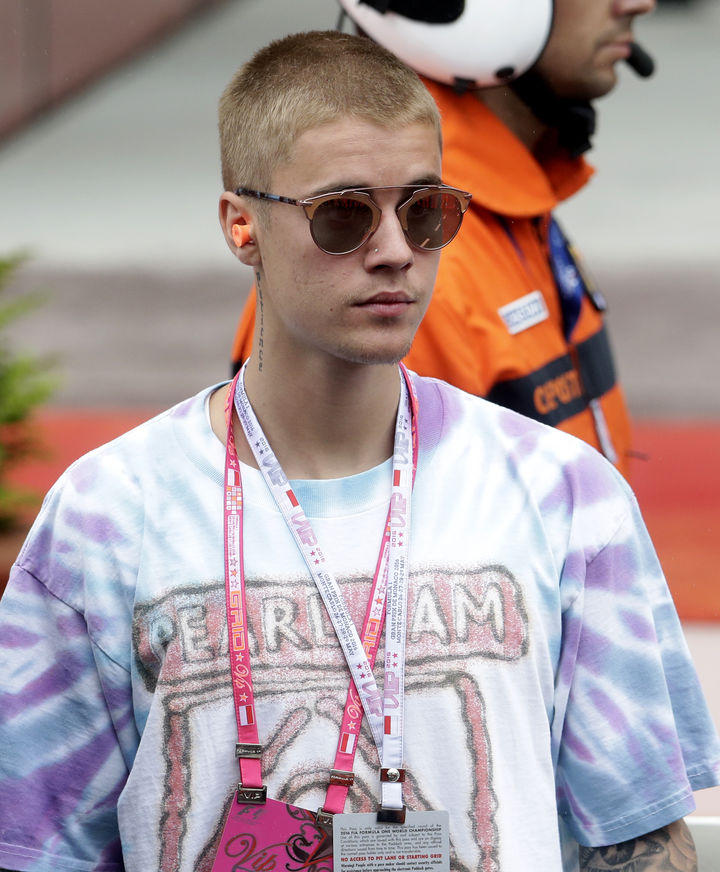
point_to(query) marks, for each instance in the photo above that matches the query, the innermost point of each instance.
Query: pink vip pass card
(273, 837)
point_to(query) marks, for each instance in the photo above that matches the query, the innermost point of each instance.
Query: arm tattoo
(669, 849)
(261, 331)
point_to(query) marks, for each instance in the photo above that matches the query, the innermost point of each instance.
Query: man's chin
(377, 355)
(589, 87)
(597, 85)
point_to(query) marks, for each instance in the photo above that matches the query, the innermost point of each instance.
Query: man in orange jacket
(514, 318)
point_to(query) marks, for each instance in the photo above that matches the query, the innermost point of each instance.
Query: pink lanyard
(385, 714)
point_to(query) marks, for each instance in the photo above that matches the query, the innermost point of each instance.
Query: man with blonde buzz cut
(515, 317)
(333, 615)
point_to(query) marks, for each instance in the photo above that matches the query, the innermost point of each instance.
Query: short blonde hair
(304, 80)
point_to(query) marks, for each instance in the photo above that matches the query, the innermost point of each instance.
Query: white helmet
(467, 43)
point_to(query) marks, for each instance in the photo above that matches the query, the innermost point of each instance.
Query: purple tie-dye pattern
(560, 496)
(94, 527)
(84, 475)
(639, 626)
(119, 697)
(576, 809)
(109, 801)
(184, 409)
(111, 857)
(40, 542)
(609, 709)
(54, 681)
(572, 630)
(97, 623)
(32, 566)
(17, 637)
(666, 740)
(572, 743)
(55, 792)
(594, 478)
(437, 412)
(127, 720)
(513, 424)
(616, 569)
(22, 581)
(575, 566)
(523, 442)
(595, 648)
(71, 625)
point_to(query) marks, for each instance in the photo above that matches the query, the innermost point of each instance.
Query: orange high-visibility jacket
(487, 330)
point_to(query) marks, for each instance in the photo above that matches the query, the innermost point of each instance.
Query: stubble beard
(372, 355)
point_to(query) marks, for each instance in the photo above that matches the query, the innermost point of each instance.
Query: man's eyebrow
(426, 180)
(350, 186)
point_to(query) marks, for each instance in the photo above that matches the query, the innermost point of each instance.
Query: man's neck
(515, 114)
(321, 421)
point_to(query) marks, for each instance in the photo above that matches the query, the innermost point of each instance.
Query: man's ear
(238, 226)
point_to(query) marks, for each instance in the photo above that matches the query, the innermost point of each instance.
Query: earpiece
(241, 235)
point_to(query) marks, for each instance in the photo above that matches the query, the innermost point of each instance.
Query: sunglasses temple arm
(261, 195)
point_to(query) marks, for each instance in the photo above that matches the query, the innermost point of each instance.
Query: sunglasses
(343, 221)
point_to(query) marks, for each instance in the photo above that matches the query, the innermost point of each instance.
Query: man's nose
(633, 7)
(388, 246)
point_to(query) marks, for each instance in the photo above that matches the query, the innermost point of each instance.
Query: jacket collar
(483, 156)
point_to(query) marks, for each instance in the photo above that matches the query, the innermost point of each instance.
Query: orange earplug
(241, 235)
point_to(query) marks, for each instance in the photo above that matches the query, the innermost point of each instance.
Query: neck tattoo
(261, 336)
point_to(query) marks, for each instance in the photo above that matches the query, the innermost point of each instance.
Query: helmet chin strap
(573, 120)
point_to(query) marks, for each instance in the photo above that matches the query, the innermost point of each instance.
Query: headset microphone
(640, 61)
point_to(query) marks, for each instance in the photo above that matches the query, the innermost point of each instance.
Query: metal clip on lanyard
(391, 575)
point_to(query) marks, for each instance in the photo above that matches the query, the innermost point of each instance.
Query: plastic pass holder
(272, 835)
(364, 843)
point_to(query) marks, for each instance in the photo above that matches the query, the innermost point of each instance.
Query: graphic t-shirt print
(454, 618)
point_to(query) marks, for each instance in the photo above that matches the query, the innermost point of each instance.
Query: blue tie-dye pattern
(54, 709)
(617, 677)
(629, 733)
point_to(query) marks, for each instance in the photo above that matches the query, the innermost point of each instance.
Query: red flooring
(678, 487)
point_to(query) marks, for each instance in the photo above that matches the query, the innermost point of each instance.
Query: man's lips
(619, 45)
(388, 297)
(387, 303)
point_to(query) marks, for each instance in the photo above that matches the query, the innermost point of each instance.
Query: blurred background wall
(51, 48)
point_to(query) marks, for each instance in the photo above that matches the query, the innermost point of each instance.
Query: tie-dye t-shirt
(549, 688)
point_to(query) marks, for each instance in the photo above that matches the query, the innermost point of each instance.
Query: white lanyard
(385, 712)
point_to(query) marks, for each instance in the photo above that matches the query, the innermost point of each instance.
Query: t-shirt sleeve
(62, 705)
(632, 732)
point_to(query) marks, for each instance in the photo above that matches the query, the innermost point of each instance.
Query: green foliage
(24, 385)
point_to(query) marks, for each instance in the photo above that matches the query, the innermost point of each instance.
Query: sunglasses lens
(341, 225)
(433, 219)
